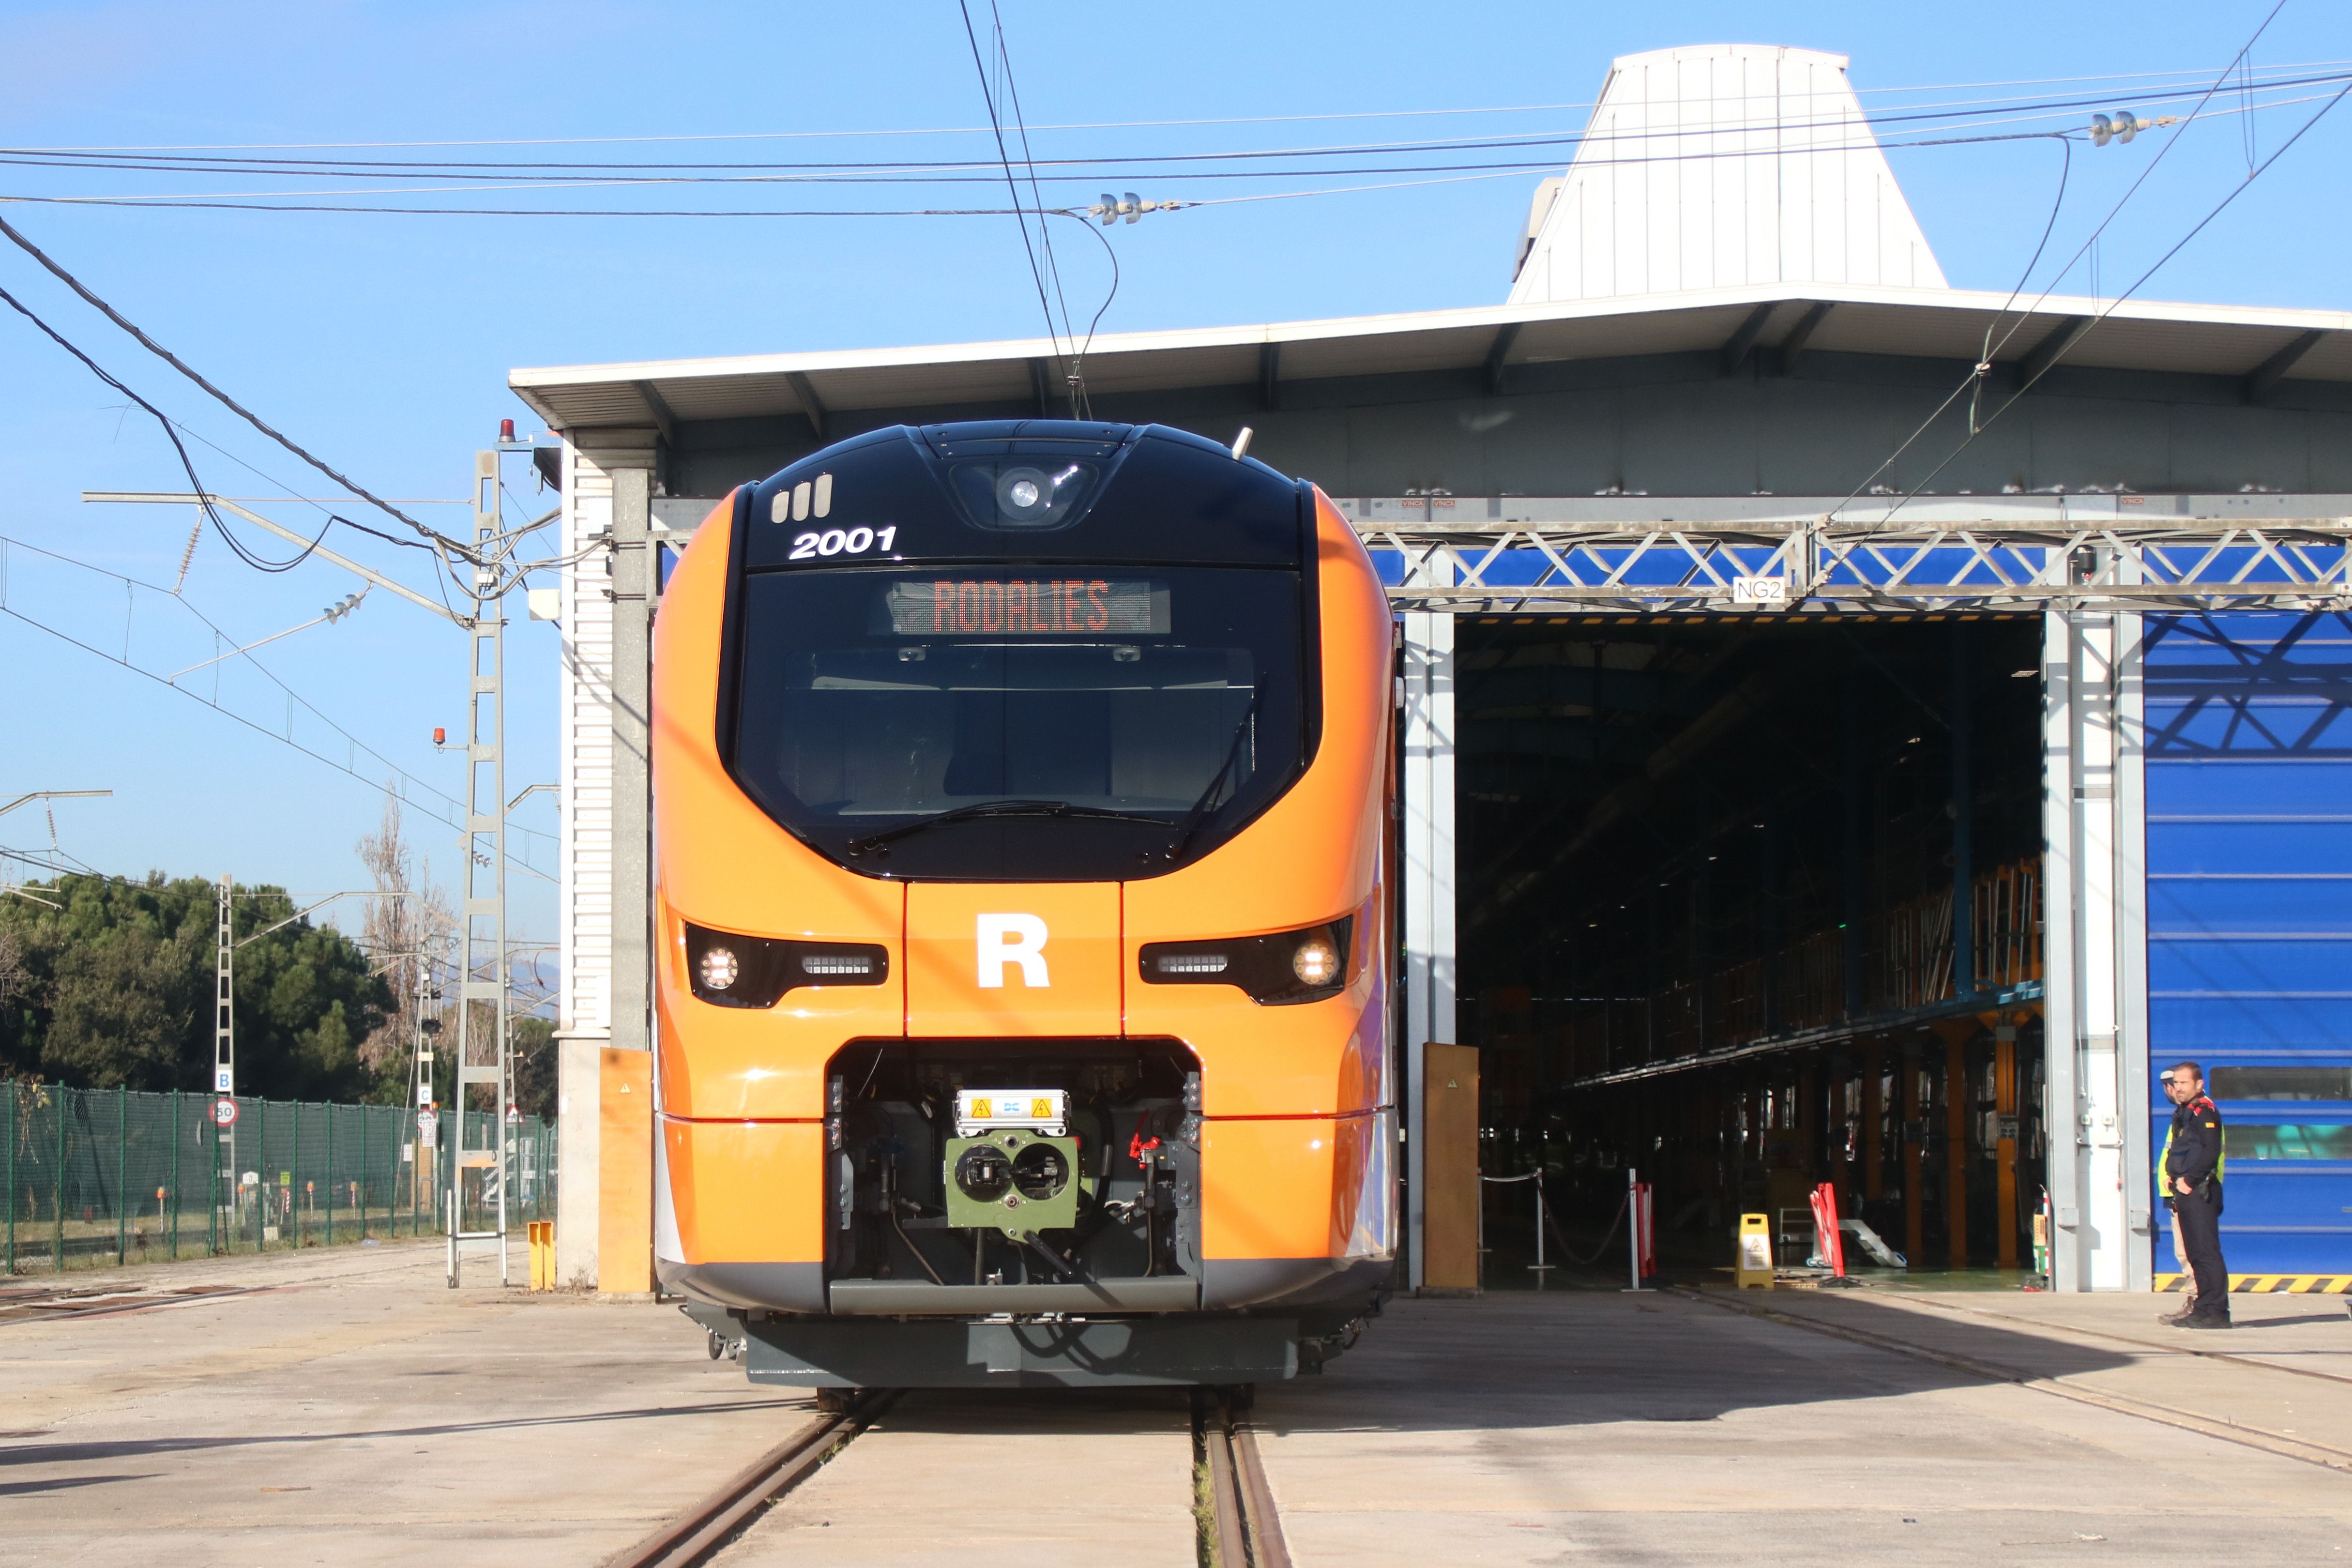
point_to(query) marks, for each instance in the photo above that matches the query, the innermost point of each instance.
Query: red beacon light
(440, 736)
(506, 429)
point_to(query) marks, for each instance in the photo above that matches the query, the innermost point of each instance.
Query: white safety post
(1541, 1267)
(1429, 869)
(1633, 1229)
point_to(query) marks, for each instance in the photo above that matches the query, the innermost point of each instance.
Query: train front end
(1022, 812)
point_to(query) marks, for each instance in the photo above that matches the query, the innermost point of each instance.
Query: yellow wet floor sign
(1754, 1265)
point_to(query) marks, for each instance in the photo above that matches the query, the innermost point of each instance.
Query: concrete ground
(1606, 1428)
(356, 1411)
(345, 1408)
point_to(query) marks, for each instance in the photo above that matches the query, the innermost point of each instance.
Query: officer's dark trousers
(2199, 1215)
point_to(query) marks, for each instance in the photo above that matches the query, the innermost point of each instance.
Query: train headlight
(1275, 970)
(730, 970)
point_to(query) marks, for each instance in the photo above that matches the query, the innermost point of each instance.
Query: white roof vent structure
(1718, 166)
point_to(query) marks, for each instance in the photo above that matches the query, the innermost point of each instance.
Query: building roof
(1721, 164)
(2263, 344)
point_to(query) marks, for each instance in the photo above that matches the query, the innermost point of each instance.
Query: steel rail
(1248, 1529)
(2232, 1358)
(697, 1531)
(2259, 1437)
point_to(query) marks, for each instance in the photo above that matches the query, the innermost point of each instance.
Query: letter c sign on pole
(1011, 939)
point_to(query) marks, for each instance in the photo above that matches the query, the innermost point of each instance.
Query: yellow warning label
(980, 1108)
(1040, 1107)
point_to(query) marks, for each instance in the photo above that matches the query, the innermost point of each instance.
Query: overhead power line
(1438, 173)
(234, 406)
(2119, 81)
(1975, 378)
(415, 790)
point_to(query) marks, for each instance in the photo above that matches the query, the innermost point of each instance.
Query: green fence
(99, 1177)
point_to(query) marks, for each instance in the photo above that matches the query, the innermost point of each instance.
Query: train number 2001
(840, 542)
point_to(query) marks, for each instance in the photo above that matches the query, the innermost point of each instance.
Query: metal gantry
(1820, 566)
(2091, 567)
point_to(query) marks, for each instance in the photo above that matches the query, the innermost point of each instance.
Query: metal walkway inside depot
(348, 1408)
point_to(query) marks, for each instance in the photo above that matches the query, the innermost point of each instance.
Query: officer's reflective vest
(2163, 1162)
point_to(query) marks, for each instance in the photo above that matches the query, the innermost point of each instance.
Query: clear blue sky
(382, 341)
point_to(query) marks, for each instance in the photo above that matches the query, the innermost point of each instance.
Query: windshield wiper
(879, 842)
(1200, 807)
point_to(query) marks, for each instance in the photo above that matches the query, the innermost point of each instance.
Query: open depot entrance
(1709, 867)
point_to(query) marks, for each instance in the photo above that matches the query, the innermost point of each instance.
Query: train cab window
(1019, 723)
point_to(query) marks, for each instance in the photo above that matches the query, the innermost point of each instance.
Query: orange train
(1026, 982)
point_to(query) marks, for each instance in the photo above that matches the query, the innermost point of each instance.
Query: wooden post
(1449, 1164)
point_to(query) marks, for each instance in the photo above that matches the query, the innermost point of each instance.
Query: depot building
(1904, 876)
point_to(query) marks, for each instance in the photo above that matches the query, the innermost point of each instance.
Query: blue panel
(2226, 786)
(2211, 905)
(2242, 967)
(2271, 848)
(2265, 1028)
(2250, 717)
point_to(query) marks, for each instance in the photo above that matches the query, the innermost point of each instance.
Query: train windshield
(1055, 723)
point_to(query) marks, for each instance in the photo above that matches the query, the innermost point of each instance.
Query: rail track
(52, 1304)
(1236, 1525)
(2279, 1443)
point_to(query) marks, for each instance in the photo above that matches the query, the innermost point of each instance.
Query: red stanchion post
(1829, 1244)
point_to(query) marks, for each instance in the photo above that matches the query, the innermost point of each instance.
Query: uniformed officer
(2192, 1171)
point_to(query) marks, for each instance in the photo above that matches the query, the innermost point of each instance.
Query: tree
(113, 981)
(532, 1042)
(408, 922)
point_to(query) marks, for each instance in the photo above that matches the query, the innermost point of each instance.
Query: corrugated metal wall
(2250, 918)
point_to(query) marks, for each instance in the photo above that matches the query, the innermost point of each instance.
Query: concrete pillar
(1428, 876)
(2096, 942)
(608, 476)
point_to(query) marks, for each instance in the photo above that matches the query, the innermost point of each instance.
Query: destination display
(1032, 606)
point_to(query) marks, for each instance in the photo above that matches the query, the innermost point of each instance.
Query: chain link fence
(102, 1177)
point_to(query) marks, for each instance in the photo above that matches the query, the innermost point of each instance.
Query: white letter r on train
(1012, 939)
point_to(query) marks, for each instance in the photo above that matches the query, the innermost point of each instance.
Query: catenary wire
(171, 433)
(1005, 156)
(358, 169)
(2152, 76)
(2198, 227)
(16, 237)
(1450, 174)
(291, 695)
(1981, 368)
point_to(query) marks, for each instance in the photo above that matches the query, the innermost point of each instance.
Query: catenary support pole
(121, 1175)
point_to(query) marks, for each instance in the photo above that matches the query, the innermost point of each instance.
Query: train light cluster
(1277, 971)
(729, 970)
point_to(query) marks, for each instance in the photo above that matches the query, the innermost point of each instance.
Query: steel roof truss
(2198, 566)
